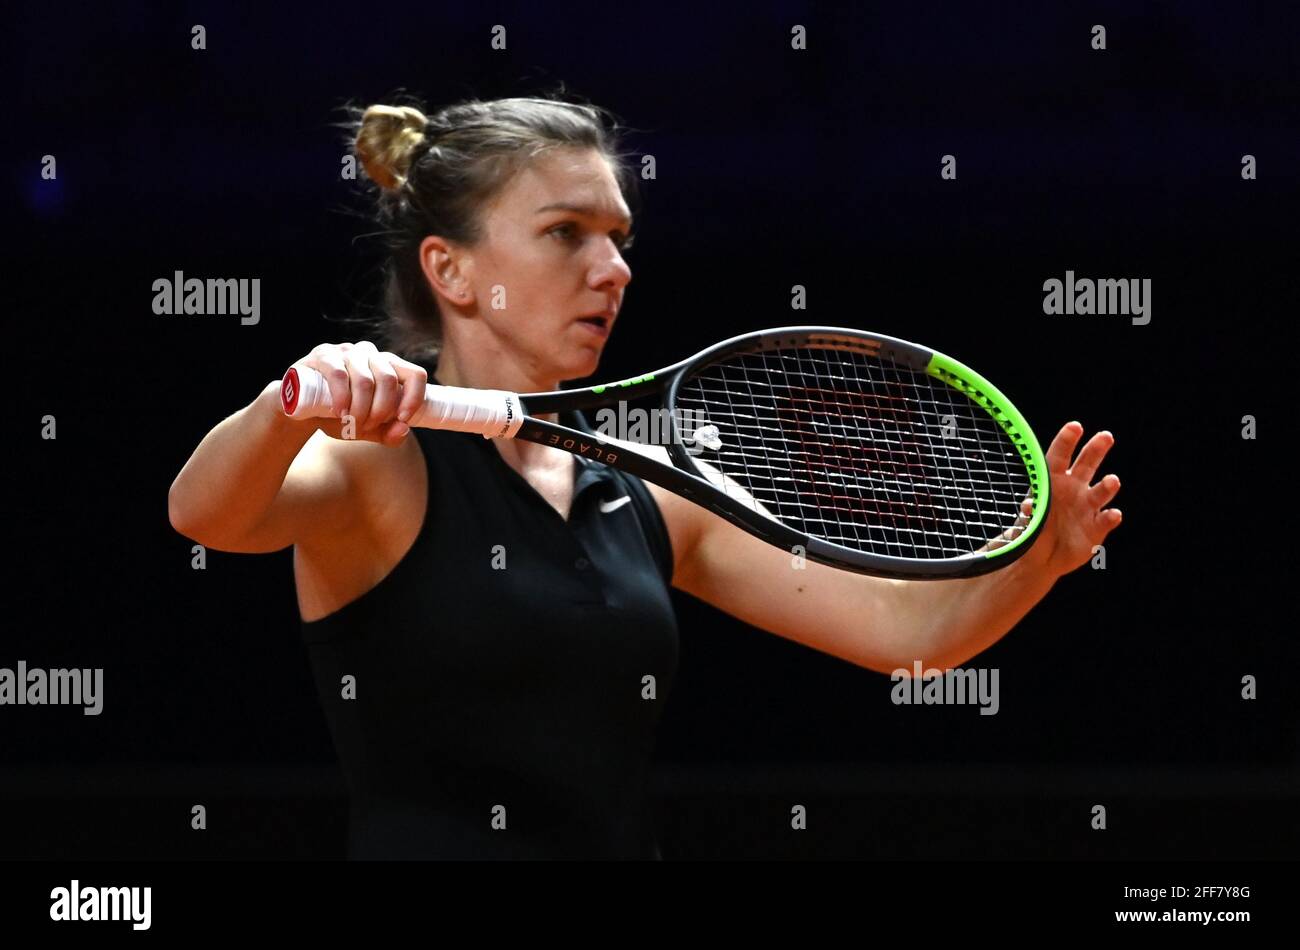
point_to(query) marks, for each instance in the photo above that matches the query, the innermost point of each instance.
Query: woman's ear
(445, 267)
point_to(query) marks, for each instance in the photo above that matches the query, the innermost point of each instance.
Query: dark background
(775, 167)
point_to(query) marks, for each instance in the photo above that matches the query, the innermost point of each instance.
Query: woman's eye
(569, 230)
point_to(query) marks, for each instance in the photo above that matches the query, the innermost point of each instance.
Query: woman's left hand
(1077, 518)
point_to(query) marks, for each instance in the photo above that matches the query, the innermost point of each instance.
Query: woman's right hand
(380, 391)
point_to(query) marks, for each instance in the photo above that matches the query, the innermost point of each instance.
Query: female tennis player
(488, 621)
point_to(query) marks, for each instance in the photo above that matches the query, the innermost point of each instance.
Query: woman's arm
(250, 487)
(261, 481)
(886, 624)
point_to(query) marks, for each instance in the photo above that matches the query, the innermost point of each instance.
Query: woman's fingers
(363, 383)
(1107, 521)
(1007, 535)
(328, 361)
(387, 390)
(414, 379)
(392, 432)
(1085, 466)
(370, 388)
(1062, 447)
(1101, 494)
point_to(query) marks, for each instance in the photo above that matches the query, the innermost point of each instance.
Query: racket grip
(491, 413)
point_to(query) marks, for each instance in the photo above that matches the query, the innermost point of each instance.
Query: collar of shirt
(587, 472)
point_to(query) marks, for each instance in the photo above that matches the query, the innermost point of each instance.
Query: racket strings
(855, 450)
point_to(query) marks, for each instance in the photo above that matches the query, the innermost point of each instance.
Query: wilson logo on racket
(289, 391)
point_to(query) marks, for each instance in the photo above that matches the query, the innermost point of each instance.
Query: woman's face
(548, 276)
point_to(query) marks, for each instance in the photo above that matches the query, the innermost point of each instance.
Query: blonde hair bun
(386, 143)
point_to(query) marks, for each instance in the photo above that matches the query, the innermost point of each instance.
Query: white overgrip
(491, 413)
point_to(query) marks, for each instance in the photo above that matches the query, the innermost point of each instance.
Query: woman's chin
(583, 364)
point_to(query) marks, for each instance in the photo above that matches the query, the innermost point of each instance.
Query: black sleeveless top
(509, 671)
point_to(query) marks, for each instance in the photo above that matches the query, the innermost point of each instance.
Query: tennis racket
(856, 450)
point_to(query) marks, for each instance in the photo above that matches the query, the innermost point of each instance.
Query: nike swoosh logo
(607, 506)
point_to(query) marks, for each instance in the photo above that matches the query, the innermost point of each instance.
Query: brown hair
(434, 173)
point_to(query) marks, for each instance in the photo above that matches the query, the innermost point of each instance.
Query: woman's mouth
(598, 325)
